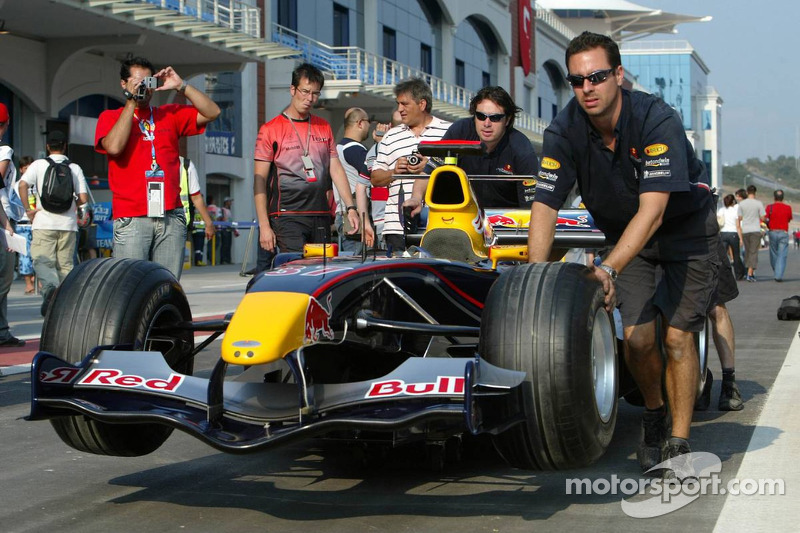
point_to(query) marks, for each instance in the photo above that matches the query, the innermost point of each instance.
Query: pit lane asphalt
(186, 485)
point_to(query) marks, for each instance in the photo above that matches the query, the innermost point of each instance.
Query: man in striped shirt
(414, 102)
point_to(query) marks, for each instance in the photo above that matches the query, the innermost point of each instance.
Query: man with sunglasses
(639, 178)
(507, 150)
(295, 163)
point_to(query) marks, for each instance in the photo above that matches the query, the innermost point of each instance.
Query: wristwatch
(182, 88)
(128, 95)
(609, 270)
(354, 208)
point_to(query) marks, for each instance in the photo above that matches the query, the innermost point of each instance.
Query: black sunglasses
(495, 117)
(598, 76)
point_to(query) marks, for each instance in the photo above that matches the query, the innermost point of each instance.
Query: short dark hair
(741, 193)
(133, 61)
(751, 189)
(499, 96)
(729, 200)
(778, 195)
(25, 160)
(418, 89)
(589, 41)
(309, 72)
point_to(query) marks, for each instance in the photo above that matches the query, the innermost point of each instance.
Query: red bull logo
(580, 221)
(502, 220)
(318, 320)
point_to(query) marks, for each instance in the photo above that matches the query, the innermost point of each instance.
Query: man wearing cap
(54, 234)
(7, 258)
(226, 231)
(142, 144)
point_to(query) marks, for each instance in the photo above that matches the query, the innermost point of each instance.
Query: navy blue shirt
(514, 154)
(651, 153)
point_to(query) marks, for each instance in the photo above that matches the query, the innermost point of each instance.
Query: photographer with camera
(397, 154)
(141, 142)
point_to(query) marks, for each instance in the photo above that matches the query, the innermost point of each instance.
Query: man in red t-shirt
(297, 152)
(141, 142)
(778, 216)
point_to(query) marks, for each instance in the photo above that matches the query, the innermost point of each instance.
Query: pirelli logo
(550, 163)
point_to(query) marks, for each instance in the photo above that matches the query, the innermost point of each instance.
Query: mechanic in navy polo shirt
(508, 151)
(640, 180)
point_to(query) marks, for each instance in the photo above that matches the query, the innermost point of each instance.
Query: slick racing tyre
(548, 320)
(117, 301)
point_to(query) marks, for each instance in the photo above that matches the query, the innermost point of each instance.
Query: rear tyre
(548, 320)
(117, 301)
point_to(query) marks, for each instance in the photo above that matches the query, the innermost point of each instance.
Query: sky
(751, 49)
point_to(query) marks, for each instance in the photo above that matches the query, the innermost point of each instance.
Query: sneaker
(200, 263)
(656, 427)
(751, 278)
(729, 397)
(704, 400)
(12, 342)
(678, 456)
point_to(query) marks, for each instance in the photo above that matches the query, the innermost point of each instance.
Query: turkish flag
(525, 23)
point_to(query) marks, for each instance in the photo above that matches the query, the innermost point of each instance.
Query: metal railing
(357, 64)
(234, 14)
(550, 18)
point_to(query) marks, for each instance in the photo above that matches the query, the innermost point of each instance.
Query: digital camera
(148, 83)
(414, 159)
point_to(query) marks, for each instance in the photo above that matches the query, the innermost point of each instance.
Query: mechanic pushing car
(640, 180)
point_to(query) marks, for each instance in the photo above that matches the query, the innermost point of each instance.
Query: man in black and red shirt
(297, 152)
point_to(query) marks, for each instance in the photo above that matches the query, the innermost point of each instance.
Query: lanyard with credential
(154, 178)
(148, 128)
(308, 165)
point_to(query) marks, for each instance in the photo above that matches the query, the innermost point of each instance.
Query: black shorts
(682, 291)
(293, 232)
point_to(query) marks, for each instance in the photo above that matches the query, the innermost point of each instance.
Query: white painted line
(771, 454)
(14, 369)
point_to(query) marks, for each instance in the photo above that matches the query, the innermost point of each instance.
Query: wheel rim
(604, 363)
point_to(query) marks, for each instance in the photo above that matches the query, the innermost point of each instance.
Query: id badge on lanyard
(155, 193)
(308, 167)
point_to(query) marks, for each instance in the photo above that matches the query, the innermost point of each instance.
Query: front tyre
(548, 320)
(117, 301)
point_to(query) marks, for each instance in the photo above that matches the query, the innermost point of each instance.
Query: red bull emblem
(580, 221)
(634, 153)
(318, 320)
(502, 220)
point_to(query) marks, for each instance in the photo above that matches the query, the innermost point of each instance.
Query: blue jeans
(161, 240)
(778, 250)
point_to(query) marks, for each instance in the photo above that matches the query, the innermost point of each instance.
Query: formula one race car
(459, 336)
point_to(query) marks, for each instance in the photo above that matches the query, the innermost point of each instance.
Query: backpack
(789, 309)
(57, 193)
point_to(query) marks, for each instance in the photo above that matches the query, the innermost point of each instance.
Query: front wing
(118, 386)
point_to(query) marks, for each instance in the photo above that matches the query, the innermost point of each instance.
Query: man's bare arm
(266, 235)
(541, 232)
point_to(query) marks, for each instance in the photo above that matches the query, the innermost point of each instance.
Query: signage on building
(221, 142)
(524, 19)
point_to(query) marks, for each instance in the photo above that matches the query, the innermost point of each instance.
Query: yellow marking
(316, 250)
(550, 164)
(267, 326)
(656, 149)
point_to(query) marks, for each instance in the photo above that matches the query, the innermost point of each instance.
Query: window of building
(426, 58)
(554, 109)
(486, 79)
(708, 161)
(461, 73)
(389, 43)
(341, 25)
(539, 105)
(706, 119)
(287, 14)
